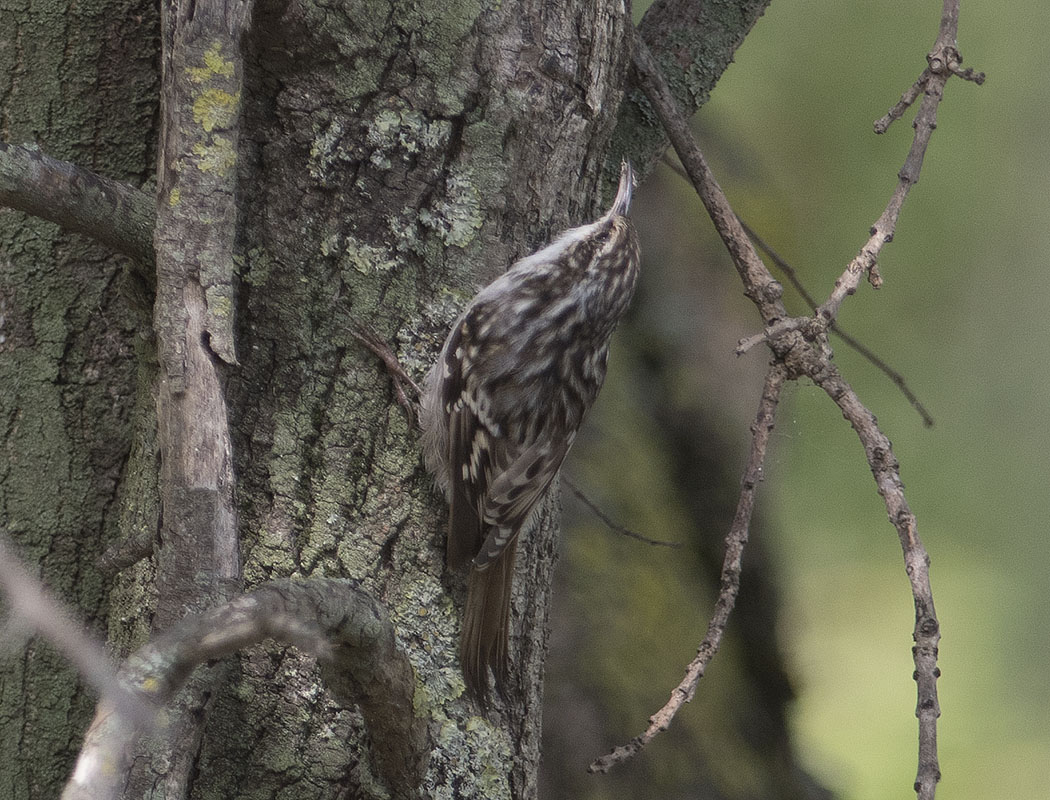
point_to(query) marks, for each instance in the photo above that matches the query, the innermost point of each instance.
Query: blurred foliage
(788, 132)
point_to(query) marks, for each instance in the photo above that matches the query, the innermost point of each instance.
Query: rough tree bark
(389, 159)
(81, 82)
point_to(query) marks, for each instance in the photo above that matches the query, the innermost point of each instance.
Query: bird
(503, 402)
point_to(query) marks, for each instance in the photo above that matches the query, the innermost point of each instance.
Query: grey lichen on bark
(410, 157)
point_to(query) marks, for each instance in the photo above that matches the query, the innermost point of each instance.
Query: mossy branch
(334, 620)
(116, 214)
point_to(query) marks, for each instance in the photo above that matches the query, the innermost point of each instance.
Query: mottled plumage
(502, 405)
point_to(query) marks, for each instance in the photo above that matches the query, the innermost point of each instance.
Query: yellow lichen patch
(217, 157)
(215, 108)
(174, 196)
(214, 64)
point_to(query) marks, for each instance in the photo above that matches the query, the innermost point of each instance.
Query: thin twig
(398, 376)
(895, 377)
(943, 62)
(910, 95)
(736, 538)
(610, 523)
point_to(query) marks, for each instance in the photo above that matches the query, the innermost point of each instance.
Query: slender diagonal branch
(32, 605)
(610, 523)
(759, 284)
(732, 564)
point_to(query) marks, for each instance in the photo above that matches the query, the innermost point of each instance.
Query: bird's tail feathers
(484, 637)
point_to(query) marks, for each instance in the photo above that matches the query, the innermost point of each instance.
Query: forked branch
(800, 348)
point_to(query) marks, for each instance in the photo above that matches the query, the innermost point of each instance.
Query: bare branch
(943, 62)
(197, 553)
(31, 604)
(334, 620)
(736, 538)
(759, 284)
(113, 213)
(886, 471)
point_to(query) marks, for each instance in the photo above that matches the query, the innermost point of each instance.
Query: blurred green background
(962, 315)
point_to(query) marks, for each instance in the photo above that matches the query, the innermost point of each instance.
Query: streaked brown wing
(468, 480)
(515, 489)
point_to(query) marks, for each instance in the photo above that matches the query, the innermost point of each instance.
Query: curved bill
(625, 191)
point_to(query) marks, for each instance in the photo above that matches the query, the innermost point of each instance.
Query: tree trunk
(389, 161)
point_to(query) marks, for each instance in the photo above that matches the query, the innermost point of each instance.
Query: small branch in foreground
(113, 213)
(334, 620)
(31, 604)
(736, 538)
(612, 524)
